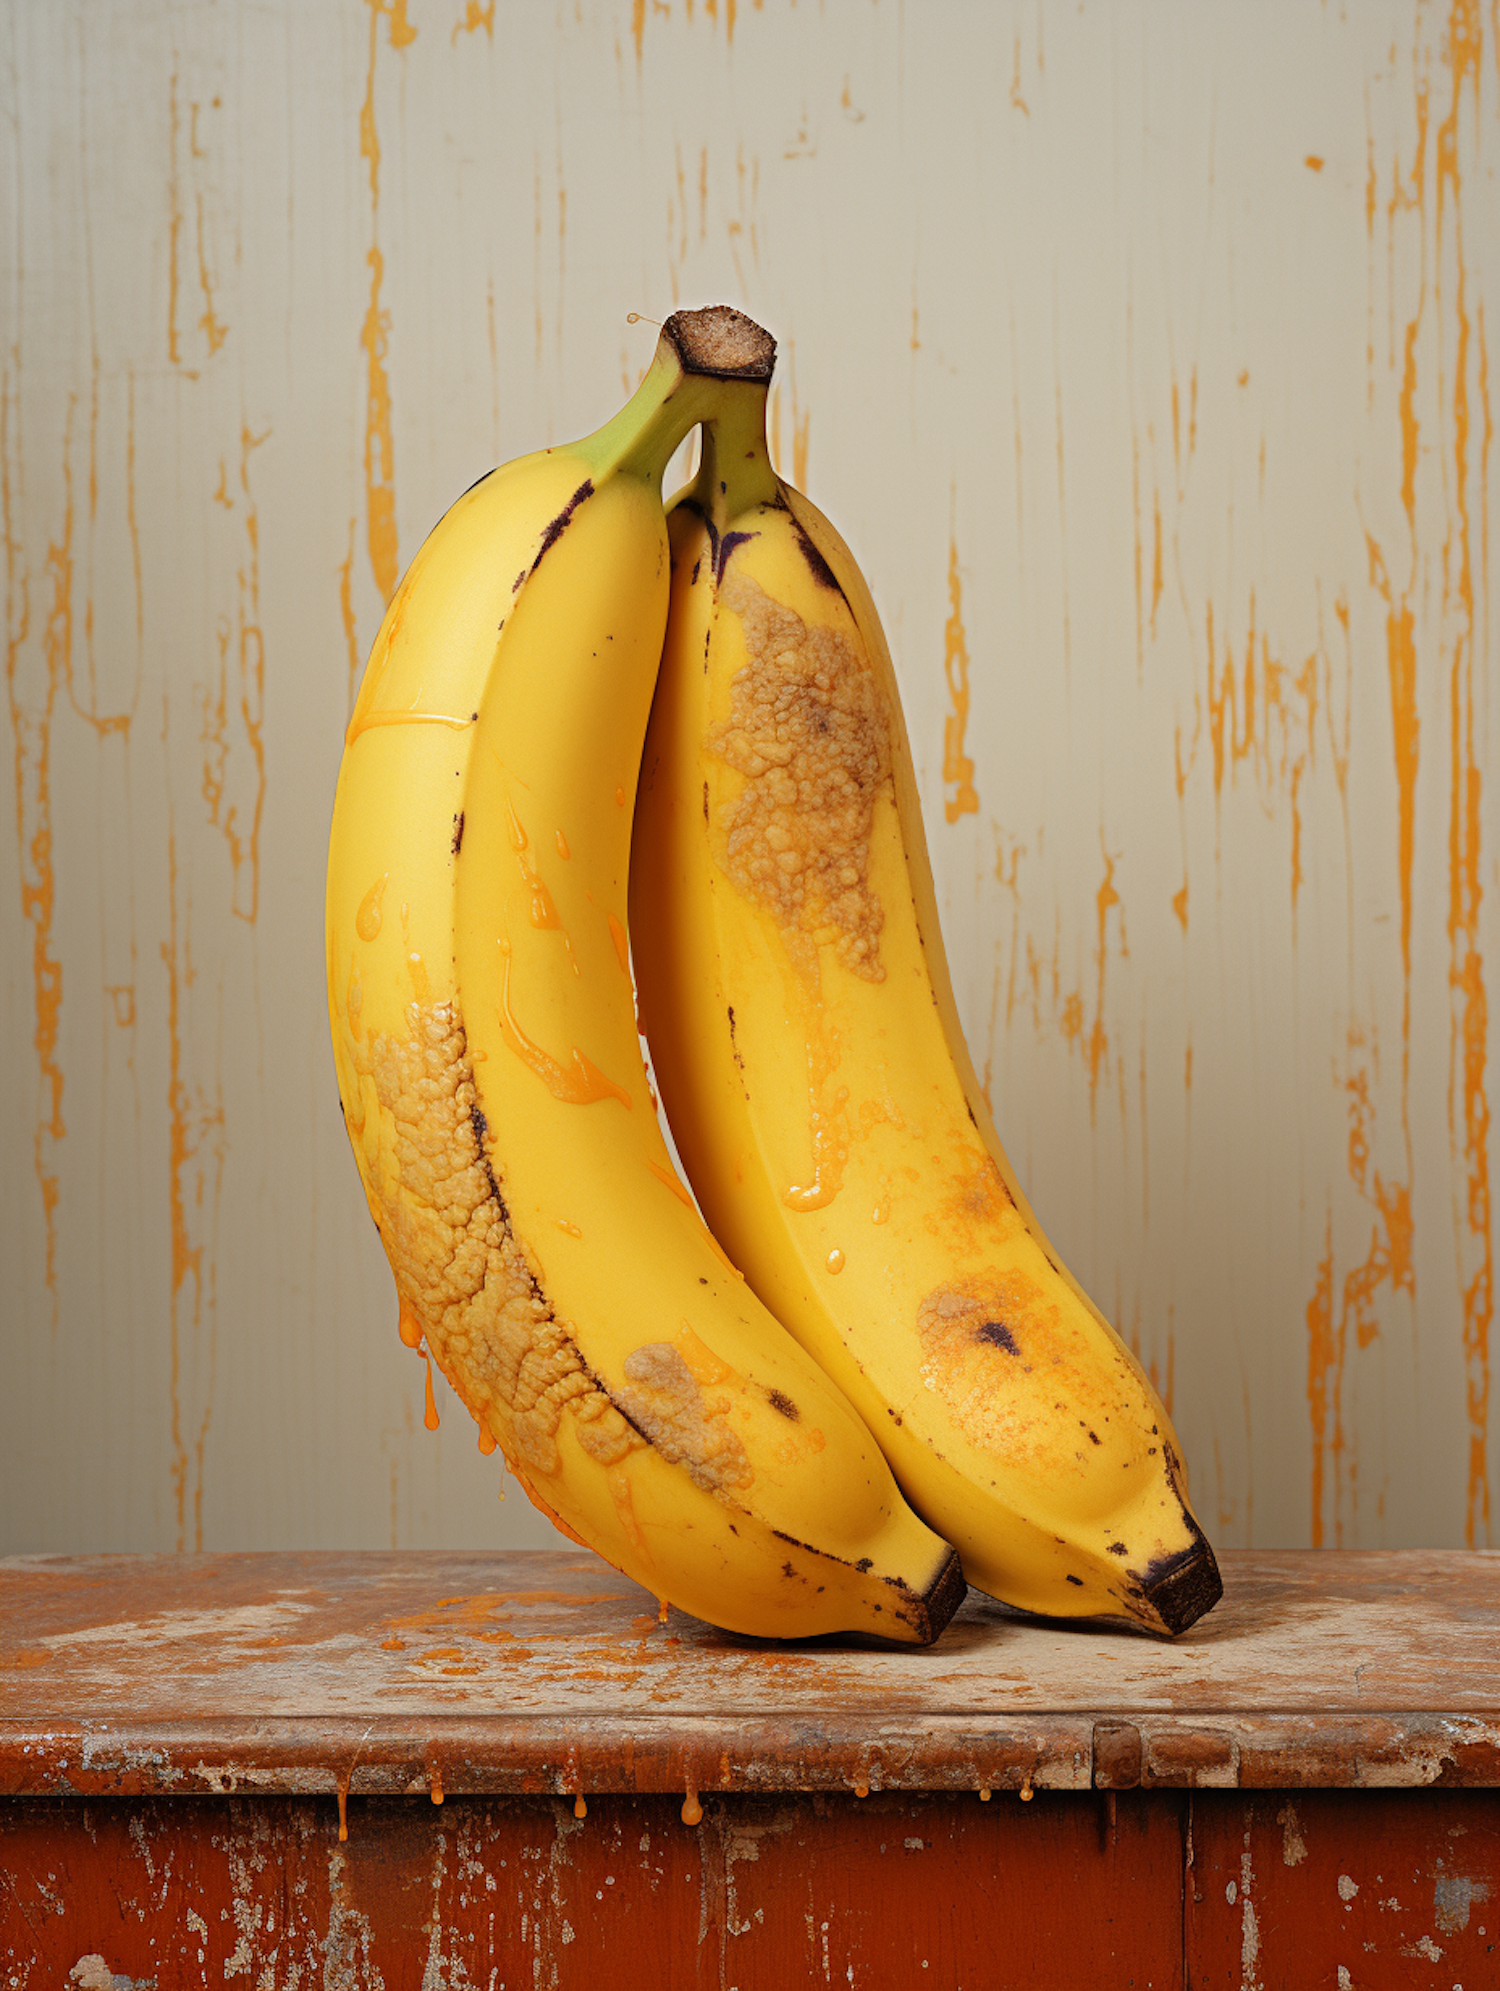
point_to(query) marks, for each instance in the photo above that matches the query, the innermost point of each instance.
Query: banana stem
(735, 472)
(704, 361)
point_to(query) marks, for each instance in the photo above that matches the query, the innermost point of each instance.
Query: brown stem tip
(721, 342)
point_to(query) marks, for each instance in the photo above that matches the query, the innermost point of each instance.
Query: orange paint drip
(31, 728)
(367, 920)
(435, 1784)
(430, 1413)
(213, 330)
(621, 940)
(486, 1440)
(579, 1084)
(234, 762)
(580, 1803)
(1106, 900)
(672, 1181)
(1469, 1112)
(958, 768)
(406, 716)
(475, 16)
(195, 1147)
(346, 614)
(408, 1326)
(562, 846)
(622, 1498)
(343, 1796)
(380, 448)
(174, 226)
(543, 911)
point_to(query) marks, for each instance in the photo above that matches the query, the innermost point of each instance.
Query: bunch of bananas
(604, 753)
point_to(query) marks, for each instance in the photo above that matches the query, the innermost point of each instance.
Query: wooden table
(547, 1787)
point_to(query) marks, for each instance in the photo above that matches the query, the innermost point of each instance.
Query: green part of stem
(735, 473)
(703, 360)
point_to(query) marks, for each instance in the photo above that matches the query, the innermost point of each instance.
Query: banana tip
(1182, 1588)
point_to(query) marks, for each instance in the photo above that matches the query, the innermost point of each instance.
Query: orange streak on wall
(1098, 1049)
(1469, 1103)
(31, 727)
(374, 338)
(958, 768)
(209, 324)
(1325, 1356)
(193, 1181)
(475, 16)
(234, 791)
(174, 231)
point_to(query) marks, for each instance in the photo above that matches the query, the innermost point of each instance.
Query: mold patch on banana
(809, 731)
(461, 1275)
(992, 1348)
(664, 1400)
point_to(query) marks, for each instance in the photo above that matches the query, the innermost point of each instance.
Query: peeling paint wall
(1143, 357)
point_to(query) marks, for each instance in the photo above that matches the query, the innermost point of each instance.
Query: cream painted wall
(1141, 352)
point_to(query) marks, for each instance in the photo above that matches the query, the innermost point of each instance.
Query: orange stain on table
(958, 768)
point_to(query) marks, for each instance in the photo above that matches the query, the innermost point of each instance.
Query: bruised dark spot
(691, 505)
(864, 1564)
(705, 801)
(999, 1336)
(779, 1400)
(559, 525)
(515, 586)
(1094, 1438)
(787, 1569)
(1076, 1579)
(726, 546)
(1117, 1548)
(480, 1125)
(822, 573)
(694, 581)
(458, 832)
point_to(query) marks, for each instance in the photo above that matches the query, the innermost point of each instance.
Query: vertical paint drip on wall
(374, 338)
(958, 768)
(1469, 1112)
(32, 707)
(195, 1167)
(234, 785)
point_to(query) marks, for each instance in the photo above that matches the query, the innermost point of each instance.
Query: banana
(490, 1069)
(806, 1043)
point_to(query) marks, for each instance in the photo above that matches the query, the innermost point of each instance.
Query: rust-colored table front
(545, 1786)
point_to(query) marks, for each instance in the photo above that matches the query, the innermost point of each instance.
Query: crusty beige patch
(460, 1273)
(663, 1399)
(982, 1341)
(808, 729)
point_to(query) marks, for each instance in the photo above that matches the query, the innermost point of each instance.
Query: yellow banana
(805, 1039)
(490, 1069)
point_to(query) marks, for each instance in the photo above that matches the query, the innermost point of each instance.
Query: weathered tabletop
(548, 1672)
